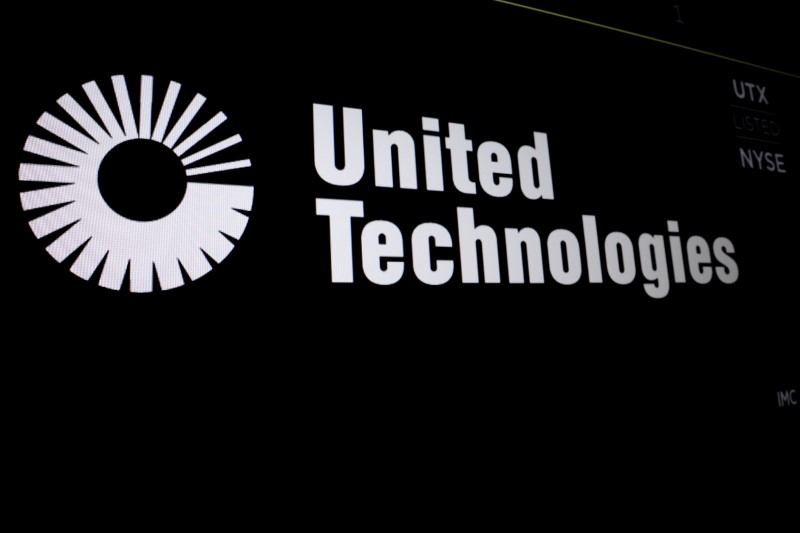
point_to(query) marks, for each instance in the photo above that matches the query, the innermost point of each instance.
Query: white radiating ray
(166, 111)
(183, 122)
(211, 150)
(66, 132)
(69, 241)
(217, 246)
(222, 167)
(103, 110)
(49, 173)
(47, 197)
(194, 262)
(35, 145)
(141, 275)
(146, 107)
(125, 107)
(169, 274)
(227, 221)
(88, 260)
(54, 220)
(114, 271)
(83, 118)
(200, 134)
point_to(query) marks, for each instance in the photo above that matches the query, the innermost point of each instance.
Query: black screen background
(264, 351)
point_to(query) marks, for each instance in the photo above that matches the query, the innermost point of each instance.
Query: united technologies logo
(154, 199)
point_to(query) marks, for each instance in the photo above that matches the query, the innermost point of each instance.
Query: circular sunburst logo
(144, 198)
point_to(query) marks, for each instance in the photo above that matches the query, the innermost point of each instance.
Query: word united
(529, 257)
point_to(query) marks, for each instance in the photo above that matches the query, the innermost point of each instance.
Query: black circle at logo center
(142, 180)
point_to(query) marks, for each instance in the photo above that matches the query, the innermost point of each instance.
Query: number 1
(678, 11)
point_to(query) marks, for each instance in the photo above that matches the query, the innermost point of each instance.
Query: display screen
(528, 211)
